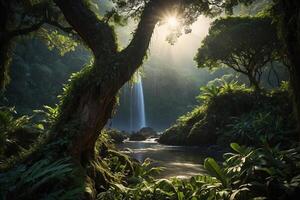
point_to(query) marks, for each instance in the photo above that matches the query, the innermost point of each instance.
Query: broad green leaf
(236, 147)
(212, 166)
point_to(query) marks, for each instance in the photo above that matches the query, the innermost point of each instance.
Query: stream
(178, 161)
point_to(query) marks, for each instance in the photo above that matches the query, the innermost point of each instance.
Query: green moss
(78, 82)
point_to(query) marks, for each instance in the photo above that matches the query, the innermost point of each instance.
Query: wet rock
(143, 134)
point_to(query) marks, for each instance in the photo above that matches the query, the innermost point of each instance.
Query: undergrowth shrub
(43, 180)
(228, 109)
(16, 133)
(256, 128)
(247, 173)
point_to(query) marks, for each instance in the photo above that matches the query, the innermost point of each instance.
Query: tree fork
(91, 106)
(88, 106)
(89, 102)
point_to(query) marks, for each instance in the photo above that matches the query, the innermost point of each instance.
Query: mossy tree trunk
(88, 104)
(289, 28)
(90, 101)
(91, 96)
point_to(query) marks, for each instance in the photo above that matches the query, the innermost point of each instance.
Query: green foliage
(138, 184)
(199, 126)
(247, 173)
(23, 182)
(263, 169)
(116, 135)
(257, 128)
(220, 86)
(208, 93)
(78, 82)
(49, 113)
(245, 44)
(231, 112)
(40, 73)
(16, 133)
(117, 168)
(55, 39)
(187, 12)
(212, 166)
(188, 117)
(59, 178)
(27, 19)
(284, 86)
(8, 121)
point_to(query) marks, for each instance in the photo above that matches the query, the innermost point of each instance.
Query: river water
(178, 161)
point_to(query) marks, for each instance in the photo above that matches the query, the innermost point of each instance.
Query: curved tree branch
(133, 55)
(59, 26)
(25, 31)
(95, 33)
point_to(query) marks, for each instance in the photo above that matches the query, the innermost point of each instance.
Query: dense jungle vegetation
(247, 118)
(62, 71)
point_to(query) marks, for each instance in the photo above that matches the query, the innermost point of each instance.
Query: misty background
(171, 80)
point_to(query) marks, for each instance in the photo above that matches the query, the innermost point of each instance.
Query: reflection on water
(178, 161)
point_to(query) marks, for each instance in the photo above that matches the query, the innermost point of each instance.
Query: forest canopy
(68, 154)
(245, 44)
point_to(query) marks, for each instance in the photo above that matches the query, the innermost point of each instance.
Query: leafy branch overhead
(19, 18)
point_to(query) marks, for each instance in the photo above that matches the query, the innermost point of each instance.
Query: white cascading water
(137, 111)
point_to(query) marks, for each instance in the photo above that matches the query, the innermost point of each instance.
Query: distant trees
(285, 14)
(22, 18)
(37, 75)
(245, 44)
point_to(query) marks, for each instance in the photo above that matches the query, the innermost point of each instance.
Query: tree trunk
(90, 98)
(289, 26)
(5, 59)
(253, 82)
(4, 46)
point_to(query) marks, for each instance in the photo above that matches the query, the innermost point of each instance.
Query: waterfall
(140, 104)
(137, 107)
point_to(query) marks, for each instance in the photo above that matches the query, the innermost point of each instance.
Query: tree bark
(90, 100)
(5, 59)
(253, 82)
(289, 26)
(4, 46)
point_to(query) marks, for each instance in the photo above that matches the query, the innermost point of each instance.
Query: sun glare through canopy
(172, 22)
